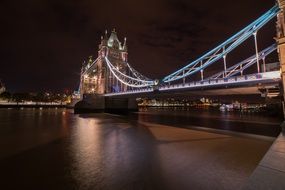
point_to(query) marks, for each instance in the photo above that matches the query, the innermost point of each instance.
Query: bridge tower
(280, 27)
(97, 78)
(100, 80)
(87, 83)
(117, 53)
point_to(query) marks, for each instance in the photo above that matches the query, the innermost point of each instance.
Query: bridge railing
(273, 75)
(135, 91)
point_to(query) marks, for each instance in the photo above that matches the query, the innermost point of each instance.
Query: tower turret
(125, 48)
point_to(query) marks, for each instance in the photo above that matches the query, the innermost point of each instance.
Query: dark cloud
(44, 42)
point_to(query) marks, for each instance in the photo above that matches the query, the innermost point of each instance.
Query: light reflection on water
(86, 153)
(101, 151)
(111, 153)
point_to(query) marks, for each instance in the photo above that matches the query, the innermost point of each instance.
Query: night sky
(44, 42)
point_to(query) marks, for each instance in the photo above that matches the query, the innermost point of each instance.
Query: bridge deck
(251, 82)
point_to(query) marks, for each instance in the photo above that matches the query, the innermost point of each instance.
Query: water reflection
(55, 149)
(111, 153)
(85, 150)
(247, 123)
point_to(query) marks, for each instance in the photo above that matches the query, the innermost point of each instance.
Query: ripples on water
(55, 149)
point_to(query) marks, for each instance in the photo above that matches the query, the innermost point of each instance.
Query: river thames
(154, 149)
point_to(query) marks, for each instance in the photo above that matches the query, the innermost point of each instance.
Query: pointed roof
(113, 40)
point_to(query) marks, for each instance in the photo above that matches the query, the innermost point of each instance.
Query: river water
(153, 149)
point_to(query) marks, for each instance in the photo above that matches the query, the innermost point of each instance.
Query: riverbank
(270, 172)
(20, 105)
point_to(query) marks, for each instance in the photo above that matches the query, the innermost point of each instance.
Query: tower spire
(106, 34)
(125, 44)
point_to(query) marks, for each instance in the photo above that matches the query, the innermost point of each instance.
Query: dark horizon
(45, 42)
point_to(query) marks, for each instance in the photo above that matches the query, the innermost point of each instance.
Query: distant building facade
(2, 87)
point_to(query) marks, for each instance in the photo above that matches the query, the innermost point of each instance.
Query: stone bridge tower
(117, 53)
(98, 79)
(280, 27)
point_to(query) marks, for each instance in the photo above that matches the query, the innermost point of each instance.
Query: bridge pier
(120, 105)
(90, 103)
(94, 103)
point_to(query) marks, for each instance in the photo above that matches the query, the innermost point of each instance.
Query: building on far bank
(2, 87)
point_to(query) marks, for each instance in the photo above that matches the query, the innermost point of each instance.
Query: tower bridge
(110, 82)
(96, 76)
